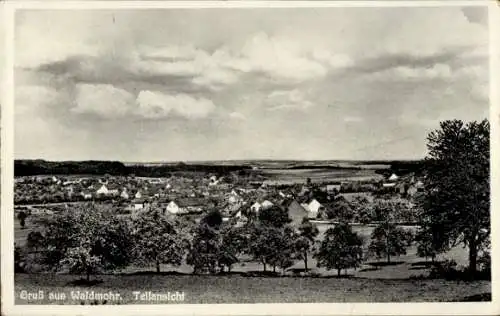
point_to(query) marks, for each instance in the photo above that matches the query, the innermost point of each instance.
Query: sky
(251, 83)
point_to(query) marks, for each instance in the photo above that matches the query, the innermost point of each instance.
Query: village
(193, 194)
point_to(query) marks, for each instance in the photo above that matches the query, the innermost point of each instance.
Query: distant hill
(94, 167)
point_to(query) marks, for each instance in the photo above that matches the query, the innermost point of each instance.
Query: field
(291, 176)
(240, 289)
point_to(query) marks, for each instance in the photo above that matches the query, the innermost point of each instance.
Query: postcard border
(486, 308)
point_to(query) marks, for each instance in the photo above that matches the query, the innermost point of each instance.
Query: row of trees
(91, 240)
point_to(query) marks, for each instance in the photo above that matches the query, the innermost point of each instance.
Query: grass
(241, 289)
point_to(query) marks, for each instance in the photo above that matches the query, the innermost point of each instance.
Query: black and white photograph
(250, 154)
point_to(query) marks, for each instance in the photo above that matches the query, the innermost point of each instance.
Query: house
(213, 181)
(113, 190)
(86, 195)
(419, 185)
(255, 207)
(296, 212)
(266, 204)
(173, 208)
(233, 197)
(138, 204)
(103, 190)
(138, 195)
(191, 204)
(412, 190)
(313, 208)
(330, 188)
(393, 177)
(124, 194)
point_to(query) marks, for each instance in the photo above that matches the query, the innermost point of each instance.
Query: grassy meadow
(241, 289)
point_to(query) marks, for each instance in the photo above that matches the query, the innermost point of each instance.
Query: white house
(393, 177)
(124, 194)
(266, 204)
(86, 195)
(138, 195)
(138, 205)
(313, 208)
(173, 208)
(233, 197)
(255, 207)
(113, 192)
(103, 190)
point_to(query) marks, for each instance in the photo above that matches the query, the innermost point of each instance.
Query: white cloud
(104, 100)
(278, 58)
(153, 104)
(333, 60)
(216, 77)
(237, 116)
(288, 100)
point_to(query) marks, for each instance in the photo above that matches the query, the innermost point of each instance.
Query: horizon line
(222, 160)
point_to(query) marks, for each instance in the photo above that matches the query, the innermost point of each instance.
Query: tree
(156, 239)
(340, 249)
(305, 241)
(204, 252)
(21, 216)
(341, 210)
(86, 240)
(232, 243)
(261, 245)
(457, 185)
(274, 216)
(271, 245)
(388, 240)
(425, 246)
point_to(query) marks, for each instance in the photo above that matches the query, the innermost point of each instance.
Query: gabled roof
(393, 177)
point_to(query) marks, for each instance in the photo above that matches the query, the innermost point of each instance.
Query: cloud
(157, 105)
(237, 116)
(433, 72)
(104, 100)
(277, 58)
(31, 98)
(336, 61)
(288, 100)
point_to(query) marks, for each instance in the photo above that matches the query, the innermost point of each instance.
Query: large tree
(156, 239)
(456, 205)
(85, 239)
(340, 249)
